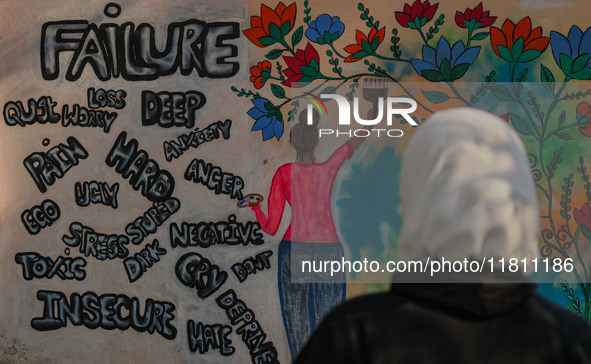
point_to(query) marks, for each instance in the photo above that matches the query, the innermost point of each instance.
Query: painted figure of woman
(307, 186)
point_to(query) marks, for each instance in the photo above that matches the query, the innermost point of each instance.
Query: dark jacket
(451, 323)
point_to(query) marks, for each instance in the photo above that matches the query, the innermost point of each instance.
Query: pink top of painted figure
(308, 190)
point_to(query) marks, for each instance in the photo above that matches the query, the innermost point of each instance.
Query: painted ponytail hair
(303, 136)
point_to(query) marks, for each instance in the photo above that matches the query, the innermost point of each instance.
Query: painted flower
(268, 118)
(272, 26)
(416, 16)
(584, 118)
(325, 29)
(573, 54)
(303, 68)
(474, 18)
(518, 43)
(583, 218)
(260, 73)
(445, 63)
(365, 45)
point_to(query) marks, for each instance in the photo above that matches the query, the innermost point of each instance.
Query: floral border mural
(546, 108)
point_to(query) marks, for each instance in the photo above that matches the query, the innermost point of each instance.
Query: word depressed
(249, 329)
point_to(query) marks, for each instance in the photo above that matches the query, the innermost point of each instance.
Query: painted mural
(155, 161)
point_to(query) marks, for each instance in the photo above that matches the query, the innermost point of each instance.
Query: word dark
(169, 109)
(100, 246)
(114, 50)
(172, 149)
(82, 116)
(204, 337)
(137, 265)
(206, 234)
(37, 266)
(250, 330)
(106, 98)
(213, 178)
(96, 192)
(40, 111)
(156, 184)
(152, 219)
(46, 167)
(108, 311)
(252, 265)
(39, 217)
(195, 271)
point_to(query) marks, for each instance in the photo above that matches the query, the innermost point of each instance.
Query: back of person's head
(467, 190)
(303, 136)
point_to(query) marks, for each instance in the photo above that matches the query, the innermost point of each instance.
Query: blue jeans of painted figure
(307, 297)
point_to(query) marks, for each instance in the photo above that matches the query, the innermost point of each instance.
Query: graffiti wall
(144, 150)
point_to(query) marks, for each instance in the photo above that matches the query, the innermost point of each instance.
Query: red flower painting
(272, 26)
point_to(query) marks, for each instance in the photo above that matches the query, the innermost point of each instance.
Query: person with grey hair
(466, 193)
